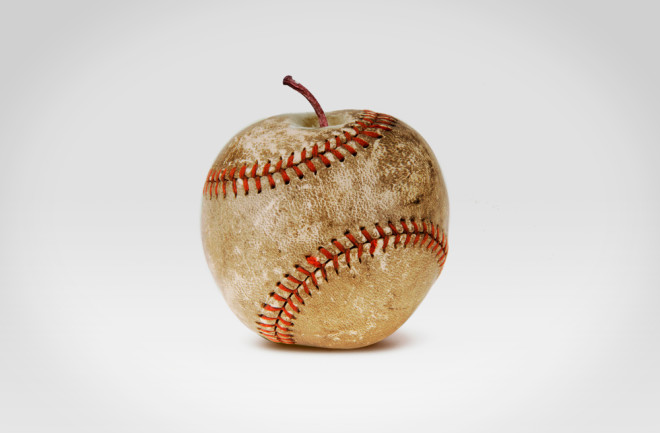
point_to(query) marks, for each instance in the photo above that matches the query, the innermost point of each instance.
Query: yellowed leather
(255, 241)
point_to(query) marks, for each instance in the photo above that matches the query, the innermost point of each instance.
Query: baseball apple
(325, 229)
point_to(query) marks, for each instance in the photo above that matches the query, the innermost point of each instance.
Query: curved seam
(219, 180)
(279, 312)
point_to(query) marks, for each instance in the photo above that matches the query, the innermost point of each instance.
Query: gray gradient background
(543, 115)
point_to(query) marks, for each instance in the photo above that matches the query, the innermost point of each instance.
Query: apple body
(327, 237)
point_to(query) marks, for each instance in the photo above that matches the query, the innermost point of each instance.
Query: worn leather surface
(253, 241)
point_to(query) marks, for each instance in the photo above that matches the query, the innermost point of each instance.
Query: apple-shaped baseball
(325, 230)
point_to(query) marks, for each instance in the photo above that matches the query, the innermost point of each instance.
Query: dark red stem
(289, 81)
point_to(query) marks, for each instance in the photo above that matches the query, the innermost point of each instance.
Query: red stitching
(277, 327)
(366, 128)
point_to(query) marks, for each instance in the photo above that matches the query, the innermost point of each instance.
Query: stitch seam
(224, 181)
(278, 314)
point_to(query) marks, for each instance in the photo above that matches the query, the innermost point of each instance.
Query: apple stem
(289, 81)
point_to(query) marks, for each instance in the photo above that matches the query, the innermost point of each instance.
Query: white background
(543, 115)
